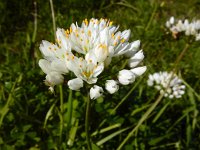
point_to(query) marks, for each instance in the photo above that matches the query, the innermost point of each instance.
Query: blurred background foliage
(30, 116)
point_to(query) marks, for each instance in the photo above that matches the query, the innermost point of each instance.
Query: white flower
(53, 78)
(139, 70)
(87, 70)
(75, 84)
(177, 26)
(136, 59)
(167, 83)
(133, 48)
(56, 66)
(85, 51)
(111, 86)
(96, 92)
(197, 37)
(126, 77)
(54, 74)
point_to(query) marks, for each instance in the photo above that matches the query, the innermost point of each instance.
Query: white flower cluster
(86, 51)
(167, 83)
(177, 26)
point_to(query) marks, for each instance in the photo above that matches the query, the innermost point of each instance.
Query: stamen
(89, 33)
(70, 29)
(123, 40)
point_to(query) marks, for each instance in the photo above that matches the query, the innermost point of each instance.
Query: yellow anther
(115, 43)
(110, 23)
(80, 66)
(95, 66)
(118, 37)
(86, 22)
(90, 60)
(112, 35)
(103, 46)
(55, 49)
(70, 29)
(67, 54)
(67, 31)
(89, 33)
(72, 57)
(49, 48)
(123, 40)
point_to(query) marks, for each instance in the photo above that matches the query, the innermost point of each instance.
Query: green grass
(33, 118)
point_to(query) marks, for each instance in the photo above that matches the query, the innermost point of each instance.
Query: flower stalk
(87, 119)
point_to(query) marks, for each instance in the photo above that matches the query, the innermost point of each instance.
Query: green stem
(53, 18)
(122, 101)
(69, 109)
(87, 117)
(61, 112)
(144, 117)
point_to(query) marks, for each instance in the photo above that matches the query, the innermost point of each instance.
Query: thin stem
(53, 18)
(148, 112)
(87, 117)
(35, 22)
(180, 57)
(144, 117)
(69, 109)
(61, 111)
(122, 101)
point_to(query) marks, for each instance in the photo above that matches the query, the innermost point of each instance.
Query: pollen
(86, 22)
(67, 31)
(123, 40)
(70, 29)
(110, 23)
(112, 35)
(89, 33)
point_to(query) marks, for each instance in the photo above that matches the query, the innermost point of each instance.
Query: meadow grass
(134, 118)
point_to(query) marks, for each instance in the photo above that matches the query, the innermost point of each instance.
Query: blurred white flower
(75, 84)
(126, 77)
(111, 86)
(96, 92)
(190, 28)
(167, 83)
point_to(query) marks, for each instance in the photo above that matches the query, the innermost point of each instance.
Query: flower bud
(126, 77)
(75, 84)
(54, 78)
(111, 86)
(96, 92)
